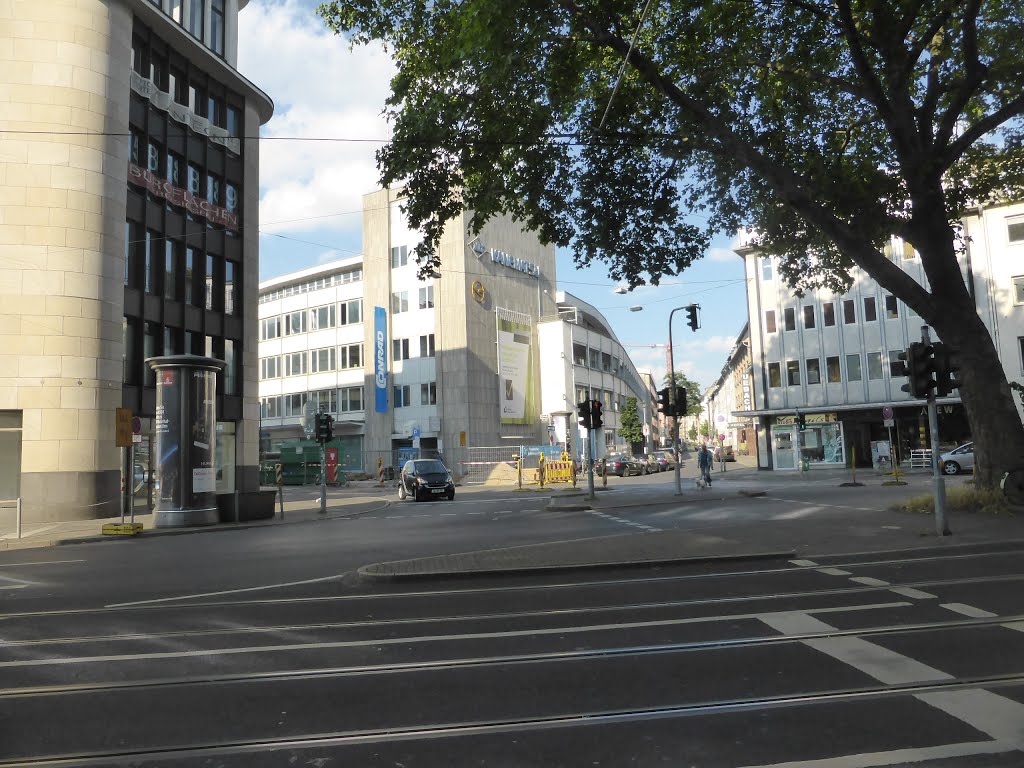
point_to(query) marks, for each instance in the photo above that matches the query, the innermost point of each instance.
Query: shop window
(793, 373)
(813, 370)
(849, 312)
(892, 308)
(853, 368)
(828, 314)
(870, 314)
(874, 366)
(809, 316)
(832, 370)
(790, 315)
(774, 375)
(823, 444)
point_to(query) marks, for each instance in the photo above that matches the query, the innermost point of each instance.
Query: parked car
(623, 465)
(958, 460)
(653, 465)
(425, 479)
(667, 459)
(725, 450)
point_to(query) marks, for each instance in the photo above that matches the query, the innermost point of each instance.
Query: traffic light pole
(672, 402)
(323, 478)
(941, 526)
(590, 463)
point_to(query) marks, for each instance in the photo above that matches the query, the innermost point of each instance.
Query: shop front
(819, 445)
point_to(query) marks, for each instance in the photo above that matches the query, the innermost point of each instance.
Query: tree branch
(974, 75)
(980, 129)
(837, 83)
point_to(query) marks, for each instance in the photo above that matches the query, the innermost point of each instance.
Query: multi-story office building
(833, 357)
(484, 353)
(731, 395)
(129, 229)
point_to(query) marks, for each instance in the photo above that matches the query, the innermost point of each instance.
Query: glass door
(783, 448)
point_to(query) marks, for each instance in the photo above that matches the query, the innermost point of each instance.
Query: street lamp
(672, 401)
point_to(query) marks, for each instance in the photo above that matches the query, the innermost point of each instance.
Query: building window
(270, 367)
(211, 270)
(400, 349)
(176, 10)
(190, 275)
(234, 121)
(853, 368)
(295, 322)
(766, 268)
(129, 248)
(149, 350)
(606, 362)
(427, 345)
(195, 18)
(832, 370)
(897, 367)
(212, 189)
(908, 251)
(214, 110)
(292, 405)
(849, 312)
(326, 400)
(321, 360)
(595, 359)
(270, 328)
(399, 256)
(130, 354)
(1015, 230)
(350, 399)
(579, 357)
(150, 278)
(321, 317)
(171, 252)
(828, 314)
(399, 302)
(295, 364)
(615, 365)
(427, 297)
(869, 310)
(774, 375)
(874, 366)
(351, 312)
(217, 26)
(428, 394)
(813, 371)
(892, 310)
(229, 287)
(270, 407)
(790, 314)
(583, 394)
(793, 373)
(230, 368)
(607, 398)
(402, 396)
(809, 316)
(175, 166)
(1018, 290)
(351, 356)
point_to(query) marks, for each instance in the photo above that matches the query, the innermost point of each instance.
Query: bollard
(540, 471)
(278, 476)
(604, 473)
(19, 516)
(519, 472)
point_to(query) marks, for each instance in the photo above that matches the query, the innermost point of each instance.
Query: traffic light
(324, 432)
(947, 370)
(801, 421)
(664, 402)
(919, 365)
(691, 316)
(585, 420)
(595, 414)
(680, 401)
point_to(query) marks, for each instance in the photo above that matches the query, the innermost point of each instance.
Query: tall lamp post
(672, 401)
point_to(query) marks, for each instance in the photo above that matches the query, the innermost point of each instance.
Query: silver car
(958, 460)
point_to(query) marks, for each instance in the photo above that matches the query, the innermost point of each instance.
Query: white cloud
(727, 254)
(321, 89)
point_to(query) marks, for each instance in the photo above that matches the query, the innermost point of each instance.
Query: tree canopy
(823, 127)
(630, 428)
(693, 393)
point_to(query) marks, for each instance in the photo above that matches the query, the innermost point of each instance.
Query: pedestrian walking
(704, 463)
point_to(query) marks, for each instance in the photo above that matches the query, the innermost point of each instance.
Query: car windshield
(430, 467)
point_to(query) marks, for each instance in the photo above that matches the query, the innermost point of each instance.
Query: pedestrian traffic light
(947, 369)
(664, 402)
(920, 365)
(691, 316)
(585, 420)
(801, 421)
(324, 432)
(595, 414)
(680, 405)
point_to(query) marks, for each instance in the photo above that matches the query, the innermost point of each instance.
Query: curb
(579, 507)
(363, 572)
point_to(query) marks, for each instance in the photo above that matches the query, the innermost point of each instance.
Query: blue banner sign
(380, 358)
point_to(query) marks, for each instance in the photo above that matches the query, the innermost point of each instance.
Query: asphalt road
(904, 658)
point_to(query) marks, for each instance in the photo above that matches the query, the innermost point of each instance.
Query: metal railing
(16, 505)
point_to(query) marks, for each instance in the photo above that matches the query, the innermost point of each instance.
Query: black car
(623, 465)
(425, 479)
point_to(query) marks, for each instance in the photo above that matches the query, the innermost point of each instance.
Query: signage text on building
(380, 359)
(178, 196)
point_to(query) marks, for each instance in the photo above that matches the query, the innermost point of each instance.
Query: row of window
(400, 300)
(190, 14)
(341, 400)
(340, 358)
(833, 373)
(157, 340)
(828, 314)
(169, 165)
(316, 319)
(338, 278)
(182, 273)
(402, 394)
(596, 359)
(609, 399)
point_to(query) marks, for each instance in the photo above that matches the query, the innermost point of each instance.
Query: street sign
(647, 430)
(415, 433)
(123, 428)
(889, 423)
(887, 414)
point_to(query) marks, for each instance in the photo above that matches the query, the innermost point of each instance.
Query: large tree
(693, 393)
(825, 126)
(630, 428)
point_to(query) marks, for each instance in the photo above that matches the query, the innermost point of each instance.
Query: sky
(311, 190)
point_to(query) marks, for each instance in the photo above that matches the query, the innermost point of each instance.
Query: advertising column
(185, 438)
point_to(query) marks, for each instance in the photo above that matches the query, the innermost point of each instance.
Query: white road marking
(900, 756)
(803, 563)
(426, 638)
(968, 610)
(819, 504)
(13, 586)
(833, 572)
(999, 717)
(867, 580)
(225, 592)
(39, 562)
(917, 594)
(1017, 626)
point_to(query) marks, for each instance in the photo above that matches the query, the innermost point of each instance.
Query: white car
(958, 460)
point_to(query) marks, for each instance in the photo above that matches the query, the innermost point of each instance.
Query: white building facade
(730, 396)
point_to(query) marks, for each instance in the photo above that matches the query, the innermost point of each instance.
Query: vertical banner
(167, 438)
(515, 367)
(380, 358)
(202, 419)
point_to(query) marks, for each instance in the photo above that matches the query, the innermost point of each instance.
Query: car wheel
(951, 468)
(401, 492)
(451, 495)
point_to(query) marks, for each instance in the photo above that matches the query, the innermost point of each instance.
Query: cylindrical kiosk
(185, 435)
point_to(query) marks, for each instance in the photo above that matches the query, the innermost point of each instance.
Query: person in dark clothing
(704, 462)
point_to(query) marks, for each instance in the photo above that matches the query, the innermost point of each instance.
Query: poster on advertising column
(515, 367)
(380, 359)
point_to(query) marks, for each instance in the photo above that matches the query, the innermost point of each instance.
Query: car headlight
(448, 479)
